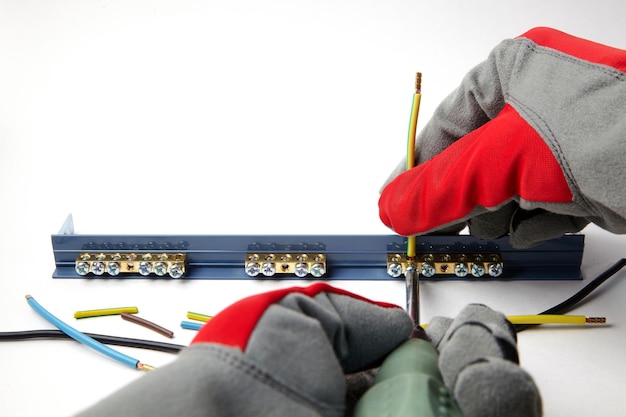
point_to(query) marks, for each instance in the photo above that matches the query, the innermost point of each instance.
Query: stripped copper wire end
(145, 367)
(595, 320)
(418, 83)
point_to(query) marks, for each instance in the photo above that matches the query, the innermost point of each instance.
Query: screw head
(461, 270)
(253, 269)
(495, 269)
(97, 268)
(268, 269)
(160, 268)
(82, 268)
(301, 270)
(394, 270)
(478, 270)
(428, 269)
(317, 270)
(113, 268)
(176, 270)
(145, 268)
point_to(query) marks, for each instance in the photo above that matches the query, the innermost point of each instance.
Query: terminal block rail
(308, 257)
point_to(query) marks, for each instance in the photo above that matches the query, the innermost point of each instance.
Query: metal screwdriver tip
(418, 83)
(595, 320)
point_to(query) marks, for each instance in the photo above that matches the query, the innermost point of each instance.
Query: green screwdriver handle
(409, 384)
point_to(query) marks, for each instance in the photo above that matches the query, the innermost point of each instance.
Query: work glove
(479, 363)
(281, 353)
(531, 144)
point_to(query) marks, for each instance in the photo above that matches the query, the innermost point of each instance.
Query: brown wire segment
(148, 324)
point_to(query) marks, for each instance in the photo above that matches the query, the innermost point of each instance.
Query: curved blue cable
(80, 337)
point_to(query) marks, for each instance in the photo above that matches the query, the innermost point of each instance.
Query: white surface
(247, 117)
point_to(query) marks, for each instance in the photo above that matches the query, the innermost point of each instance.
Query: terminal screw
(176, 271)
(145, 268)
(268, 269)
(317, 270)
(113, 268)
(301, 270)
(97, 268)
(160, 268)
(461, 270)
(82, 268)
(428, 269)
(478, 270)
(495, 269)
(394, 270)
(253, 269)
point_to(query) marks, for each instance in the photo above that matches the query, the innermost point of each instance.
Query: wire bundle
(84, 339)
(559, 309)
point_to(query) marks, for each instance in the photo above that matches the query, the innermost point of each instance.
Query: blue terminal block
(309, 257)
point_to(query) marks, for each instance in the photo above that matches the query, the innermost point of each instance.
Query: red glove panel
(487, 168)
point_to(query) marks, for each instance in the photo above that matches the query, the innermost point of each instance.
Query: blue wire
(80, 337)
(190, 325)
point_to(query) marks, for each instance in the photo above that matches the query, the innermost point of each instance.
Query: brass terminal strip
(459, 264)
(299, 264)
(116, 263)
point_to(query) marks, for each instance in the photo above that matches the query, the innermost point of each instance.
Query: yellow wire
(547, 319)
(198, 316)
(410, 152)
(105, 312)
(552, 319)
(410, 149)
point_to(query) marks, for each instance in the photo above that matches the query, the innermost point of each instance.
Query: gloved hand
(479, 363)
(474, 355)
(280, 353)
(532, 144)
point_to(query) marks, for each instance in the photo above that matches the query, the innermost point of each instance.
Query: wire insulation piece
(148, 324)
(105, 312)
(81, 337)
(191, 325)
(197, 316)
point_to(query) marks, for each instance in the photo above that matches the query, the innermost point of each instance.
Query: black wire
(571, 302)
(106, 339)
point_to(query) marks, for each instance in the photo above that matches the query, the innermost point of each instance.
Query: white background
(244, 117)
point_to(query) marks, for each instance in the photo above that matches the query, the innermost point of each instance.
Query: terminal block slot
(298, 264)
(146, 264)
(461, 265)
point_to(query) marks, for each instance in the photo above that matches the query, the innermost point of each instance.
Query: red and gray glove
(281, 353)
(532, 144)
